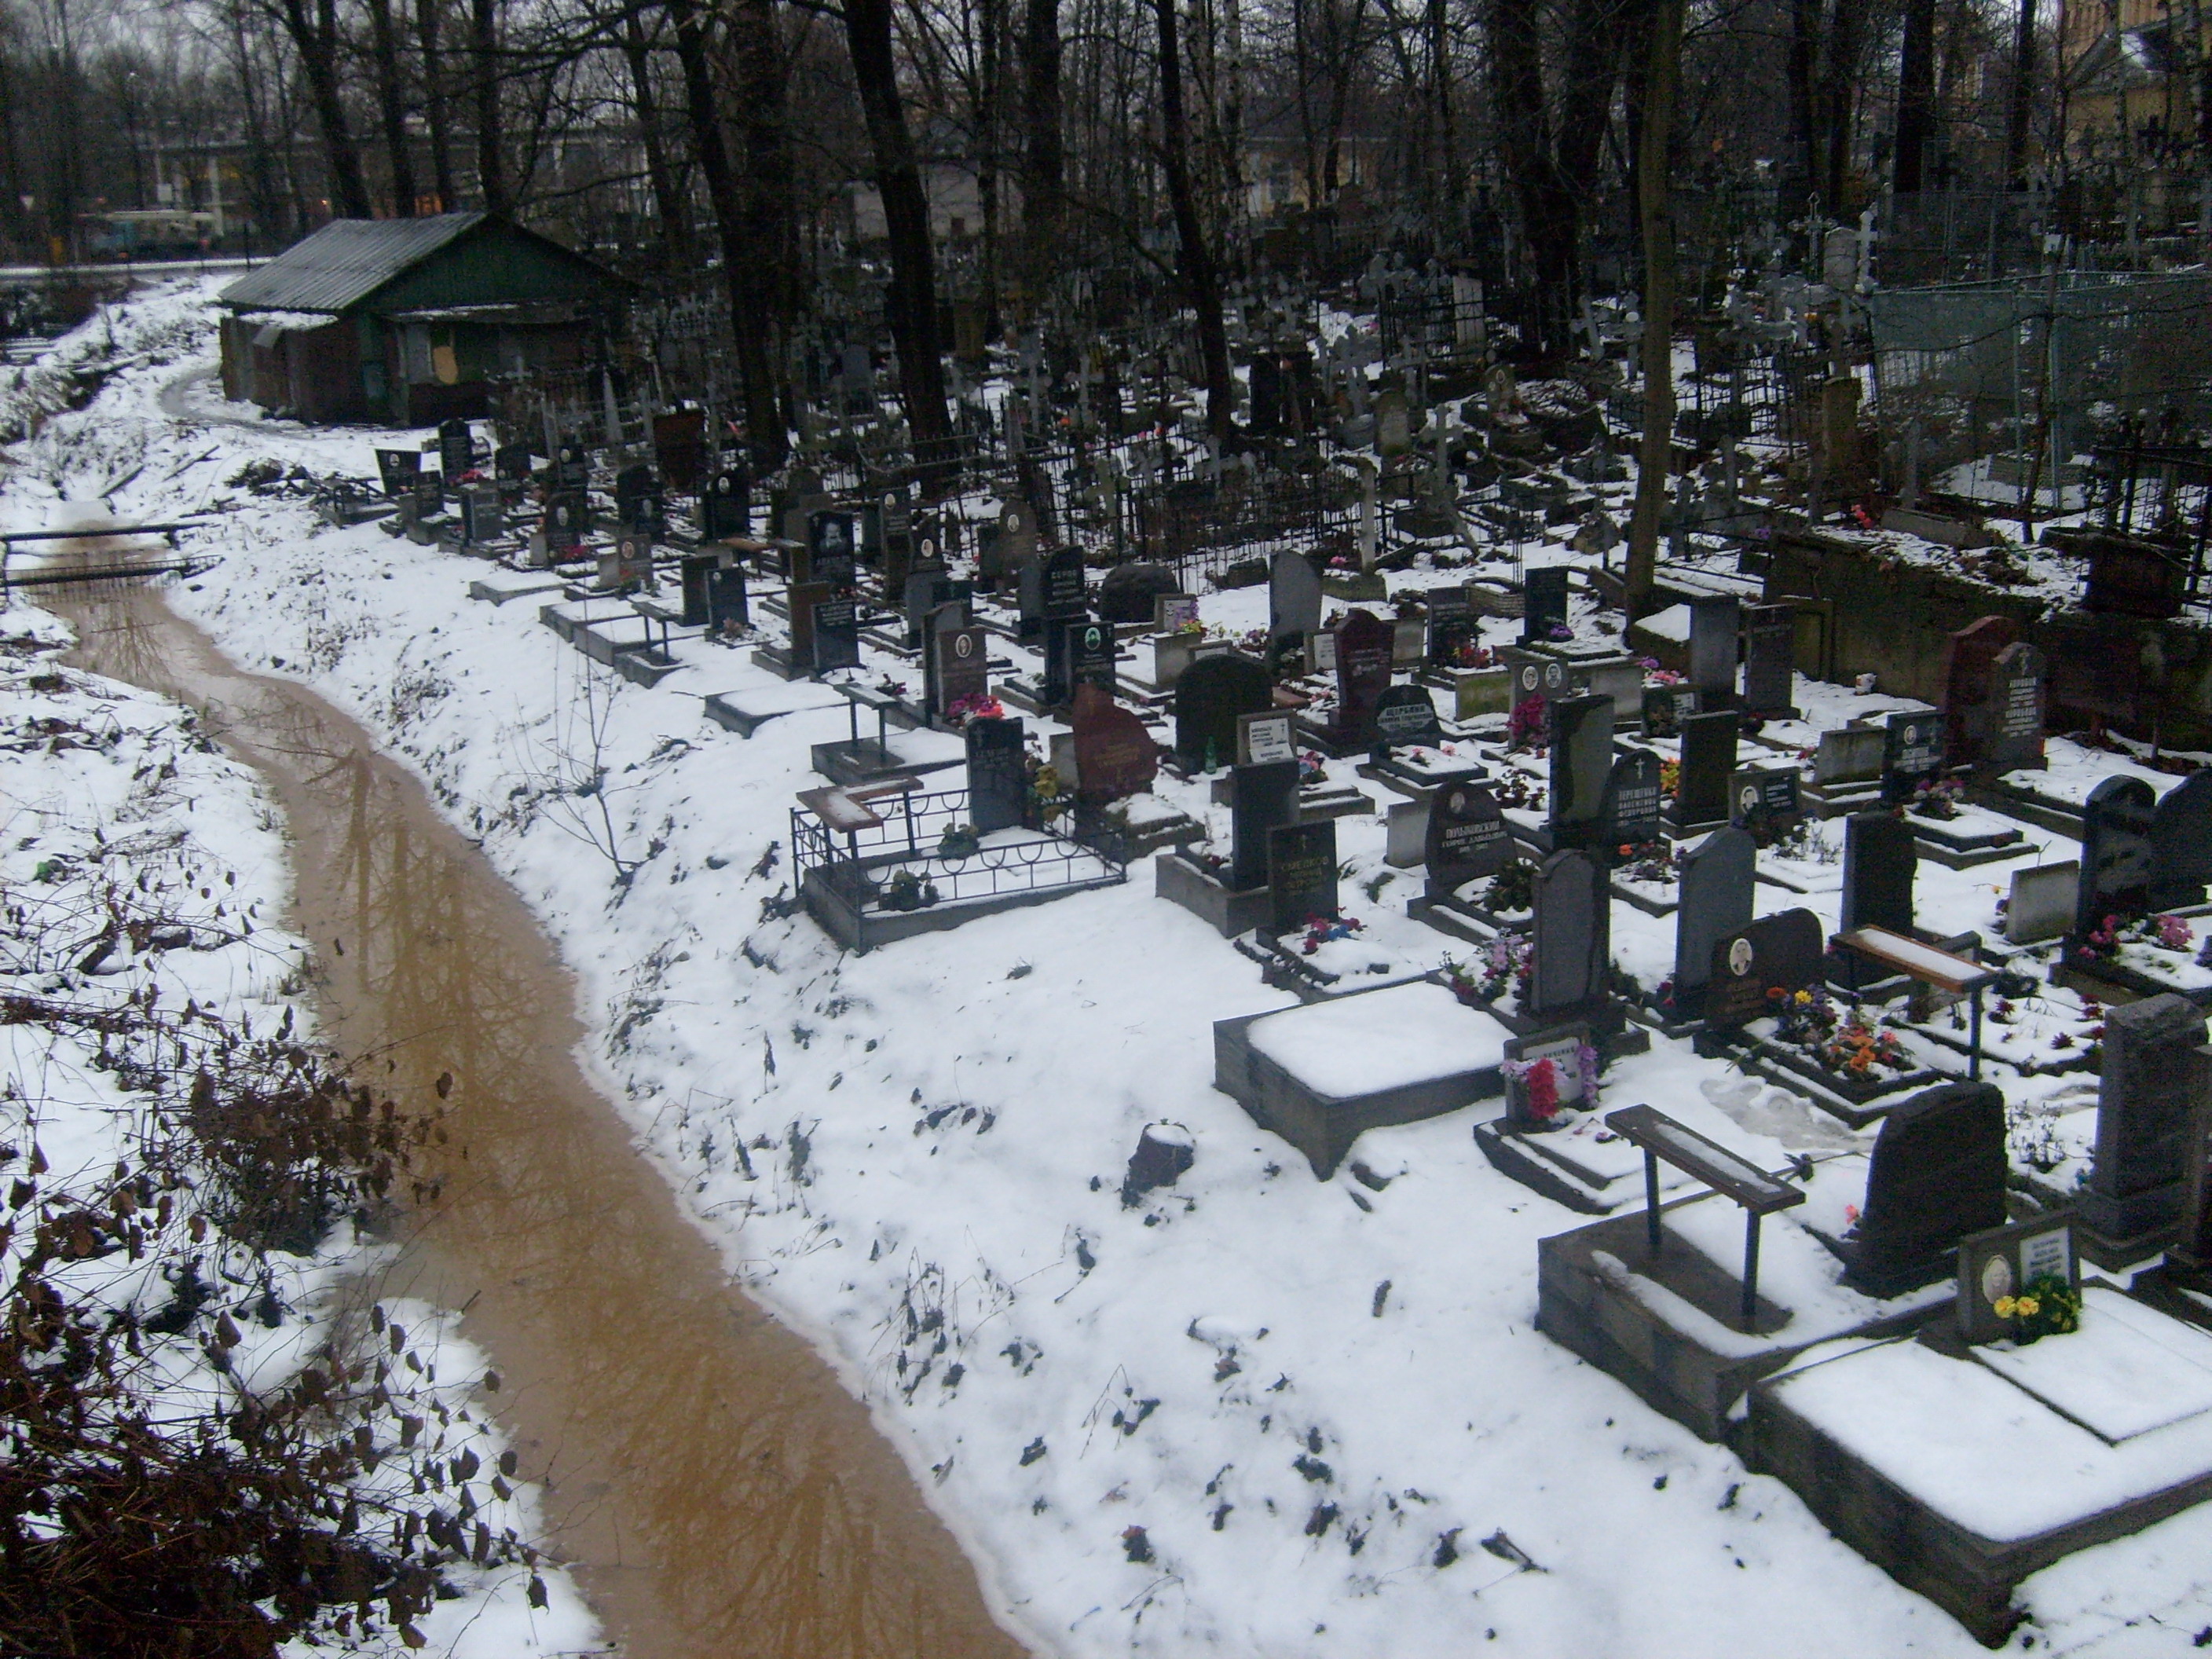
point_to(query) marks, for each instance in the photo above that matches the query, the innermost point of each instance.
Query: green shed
(406, 320)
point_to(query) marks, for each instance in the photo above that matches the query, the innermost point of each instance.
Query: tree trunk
(1836, 100)
(912, 299)
(316, 40)
(764, 431)
(1803, 69)
(667, 194)
(392, 104)
(768, 190)
(491, 181)
(1193, 259)
(990, 17)
(1451, 192)
(2023, 97)
(1916, 98)
(1044, 165)
(436, 109)
(1654, 203)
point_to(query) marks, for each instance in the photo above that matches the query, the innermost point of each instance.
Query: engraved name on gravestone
(962, 655)
(1780, 952)
(836, 632)
(1535, 675)
(2139, 1174)
(1633, 798)
(1363, 674)
(1064, 593)
(1850, 754)
(1573, 932)
(1293, 595)
(1767, 796)
(396, 469)
(1263, 797)
(1091, 657)
(1301, 874)
(1468, 838)
(833, 548)
(1266, 738)
(1708, 762)
(1912, 754)
(1713, 899)
(1997, 1264)
(1213, 695)
(998, 774)
(1405, 715)
(1880, 859)
(2014, 716)
(1969, 655)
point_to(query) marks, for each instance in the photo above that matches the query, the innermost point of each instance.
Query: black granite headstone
(961, 657)
(2181, 843)
(725, 510)
(1573, 928)
(1064, 593)
(1712, 900)
(1263, 797)
(2012, 718)
(456, 448)
(1969, 658)
(1880, 857)
(2144, 1089)
(1468, 838)
(1937, 1173)
(697, 568)
(1708, 763)
(1631, 813)
(727, 607)
(1455, 636)
(1911, 755)
(833, 548)
(1714, 622)
(1744, 965)
(1130, 591)
(1582, 764)
(1090, 655)
(1765, 799)
(2118, 865)
(396, 470)
(1406, 714)
(1665, 708)
(1213, 693)
(1301, 874)
(836, 634)
(1769, 661)
(998, 774)
(1544, 593)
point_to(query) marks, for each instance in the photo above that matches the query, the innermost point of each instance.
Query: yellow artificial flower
(1804, 999)
(2005, 1306)
(2026, 1306)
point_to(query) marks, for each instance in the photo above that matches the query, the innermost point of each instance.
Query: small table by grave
(848, 811)
(1940, 969)
(1760, 1193)
(654, 611)
(858, 697)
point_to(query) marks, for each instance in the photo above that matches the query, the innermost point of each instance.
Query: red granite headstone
(1114, 755)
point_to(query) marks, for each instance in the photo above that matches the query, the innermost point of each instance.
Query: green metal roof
(345, 262)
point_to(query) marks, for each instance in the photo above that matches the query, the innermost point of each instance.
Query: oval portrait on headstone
(1748, 798)
(928, 549)
(1996, 1279)
(1458, 804)
(964, 645)
(1554, 675)
(1528, 677)
(1739, 957)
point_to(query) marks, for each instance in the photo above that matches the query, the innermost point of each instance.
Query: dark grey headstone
(833, 548)
(2012, 718)
(998, 774)
(2143, 1107)
(1092, 654)
(1850, 754)
(1769, 661)
(1213, 695)
(836, 634)
(961, 655)
(1455, 635)
(2181, 843)
(1301, 873)
(1263, 797)
(1708, 762)
(1581, 762)
(1573, 934)
(1406, 714)
(1713, 900)
(1937, 1173)
(1781, 952)
(1880, 858)
(1765, 799)
(1130, 591)
(1064, 593)
(1913, 753)
(1714, 620)
(1544, 593)
(2118, 865)
(1468, 838)
(1631, 816)
(1293, 595)
(726, 509)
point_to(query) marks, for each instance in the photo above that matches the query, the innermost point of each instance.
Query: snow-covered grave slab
(1319, 1075)
(746, 711)
(2129, 1369)
(1974, 835)
(1670, 1328)
(1957, 1480)
(498, 586)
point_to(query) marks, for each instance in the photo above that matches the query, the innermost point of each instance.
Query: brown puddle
(718, 1493)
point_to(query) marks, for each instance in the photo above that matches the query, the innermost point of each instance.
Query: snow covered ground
(1254, 1414)
(102, 784)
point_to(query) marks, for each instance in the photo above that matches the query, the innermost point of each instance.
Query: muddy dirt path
(718, 1492)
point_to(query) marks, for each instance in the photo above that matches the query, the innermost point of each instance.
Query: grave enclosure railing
(862, 868)
(1199, 529)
